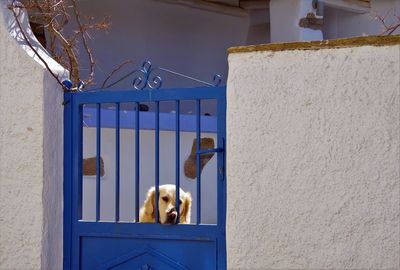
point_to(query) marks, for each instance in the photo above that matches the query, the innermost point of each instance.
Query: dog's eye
(165, 198)
(180, 201)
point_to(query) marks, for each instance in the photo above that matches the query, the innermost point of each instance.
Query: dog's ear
(187, 203)
(150, 202)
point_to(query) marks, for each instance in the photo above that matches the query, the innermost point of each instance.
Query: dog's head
(167, 204)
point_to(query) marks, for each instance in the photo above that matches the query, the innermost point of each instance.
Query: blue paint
(67, 84)
(98, 156)
(147, 120)
(159, 261)
(75, 181)
(137, 160)
(221, 186)
(117, 162)
(157, 159)
(207, 151)
(99, 244)
(198, 174)
(177, 158)
(67, 187)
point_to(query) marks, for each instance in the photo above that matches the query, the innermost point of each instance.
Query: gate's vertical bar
(117, 155)
(177, 159)
(137, 164)
(198, 174)
(98, 164)
(68, 178)
(76, 205)
(79, 143)
(221, 187)
(157, 160)
(79, 193)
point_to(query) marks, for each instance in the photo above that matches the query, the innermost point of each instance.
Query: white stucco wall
(313, 159)
(30, 157)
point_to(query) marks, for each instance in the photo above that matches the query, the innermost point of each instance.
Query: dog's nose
(171, 216)
(172, 211)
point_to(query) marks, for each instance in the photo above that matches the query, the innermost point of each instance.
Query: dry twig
(113, 72)
(389, 27)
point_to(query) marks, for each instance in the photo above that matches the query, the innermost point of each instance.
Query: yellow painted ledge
(323, 44)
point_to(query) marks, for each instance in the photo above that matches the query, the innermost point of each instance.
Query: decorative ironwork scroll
(145, 78)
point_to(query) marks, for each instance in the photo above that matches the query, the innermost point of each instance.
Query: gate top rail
(114, 96)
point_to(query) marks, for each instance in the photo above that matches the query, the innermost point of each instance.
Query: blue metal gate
(101, 244)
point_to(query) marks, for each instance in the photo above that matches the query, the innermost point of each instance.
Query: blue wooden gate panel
(116, 245)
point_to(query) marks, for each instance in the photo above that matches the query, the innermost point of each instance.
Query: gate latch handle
(211, 150)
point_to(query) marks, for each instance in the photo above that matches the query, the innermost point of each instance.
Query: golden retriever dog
(166, 206)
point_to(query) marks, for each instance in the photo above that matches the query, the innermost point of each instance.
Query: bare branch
(85, 43)
(389, 28)
(71, 55)
(113, 72)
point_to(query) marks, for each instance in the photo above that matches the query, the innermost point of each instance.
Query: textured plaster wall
(21, 154)
(52, 197)
(30, 159)
(313, 159)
